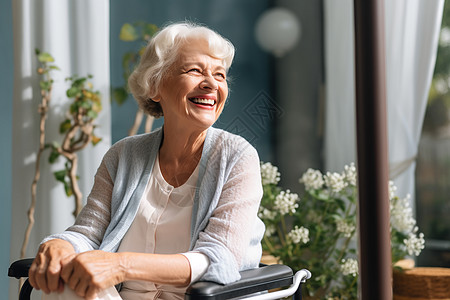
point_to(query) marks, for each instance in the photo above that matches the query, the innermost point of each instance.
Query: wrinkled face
(194, 90)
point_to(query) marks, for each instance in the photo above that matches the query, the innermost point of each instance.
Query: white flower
(392, 190)
(402, 214)
(298, 235)
(414, 244)
(344, 227)
(350, 174)
(264, 213)
(270, 230)
(312, 179)
(335, 181)
(269, 174)
(349, 266)
(286, 202)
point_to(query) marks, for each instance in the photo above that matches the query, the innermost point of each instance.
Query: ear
(157, 98)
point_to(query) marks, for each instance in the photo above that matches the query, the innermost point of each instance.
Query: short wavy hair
(162, 51)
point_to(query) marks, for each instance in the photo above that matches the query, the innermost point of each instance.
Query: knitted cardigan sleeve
(88, 230)
(115, 196)
(231, 238)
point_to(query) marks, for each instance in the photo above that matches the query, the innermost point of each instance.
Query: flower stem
(269, 244)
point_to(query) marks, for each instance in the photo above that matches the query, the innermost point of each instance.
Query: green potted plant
(77, 129)
(317, 230)
(132, 32)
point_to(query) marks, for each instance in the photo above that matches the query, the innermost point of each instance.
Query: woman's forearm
(172, 269)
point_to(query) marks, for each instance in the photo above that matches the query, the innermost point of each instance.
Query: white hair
(162, 51)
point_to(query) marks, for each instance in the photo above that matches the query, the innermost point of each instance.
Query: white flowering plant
(317, 231)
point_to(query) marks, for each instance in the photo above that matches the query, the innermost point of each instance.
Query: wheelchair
(254, 283)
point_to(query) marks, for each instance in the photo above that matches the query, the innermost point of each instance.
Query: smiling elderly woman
(170, 207)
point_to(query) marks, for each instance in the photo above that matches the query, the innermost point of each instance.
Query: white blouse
(163, 226)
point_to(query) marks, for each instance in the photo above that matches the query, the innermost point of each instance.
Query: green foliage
(64, 126)
(54, 155)
(45, 59)
(77, 127)
(46, 85)
(317, 231)
(128, 33)
(319, 213)
(442, 67)
(446, 15)
(120, 94)
(63, 176)
(440, 84)
(132, 32)
(86, 103)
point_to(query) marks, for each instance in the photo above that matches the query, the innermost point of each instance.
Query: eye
(194, 70)
(220, 75)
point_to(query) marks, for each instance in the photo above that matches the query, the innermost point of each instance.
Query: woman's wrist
(173, 269)
(62, 246)
(124, 266)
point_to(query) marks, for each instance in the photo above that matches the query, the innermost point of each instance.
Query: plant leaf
(60, 175)
(92, 114)
(65, 126)
(120, 95)
(72, 92)
(45, 85)
(128, 60)
(45, 57)
(148, 30)
(68, 189)
(128, 33)
(95, 140)
(53, 156)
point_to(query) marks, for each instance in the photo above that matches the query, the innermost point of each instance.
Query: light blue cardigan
(129, 164)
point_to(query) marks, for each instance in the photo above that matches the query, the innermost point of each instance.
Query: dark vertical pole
(374, 238)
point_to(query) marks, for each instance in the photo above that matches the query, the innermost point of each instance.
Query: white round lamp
(277, 31)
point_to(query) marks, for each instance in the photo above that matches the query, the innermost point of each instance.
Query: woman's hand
(90, 272)
(44, 273)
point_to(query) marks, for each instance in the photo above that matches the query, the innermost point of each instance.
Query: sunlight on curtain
(412, 34)
(412, 31)
(76, 33)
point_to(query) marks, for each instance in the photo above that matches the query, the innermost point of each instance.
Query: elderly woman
(171, 207)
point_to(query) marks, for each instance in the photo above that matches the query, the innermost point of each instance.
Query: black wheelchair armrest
(252, 281)
(20, 268)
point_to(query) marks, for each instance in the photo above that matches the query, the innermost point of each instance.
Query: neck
(179, 154)
(181, 144)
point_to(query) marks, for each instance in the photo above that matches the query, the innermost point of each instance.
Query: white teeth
(203, 101)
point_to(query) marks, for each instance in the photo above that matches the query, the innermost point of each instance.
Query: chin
(206, 121)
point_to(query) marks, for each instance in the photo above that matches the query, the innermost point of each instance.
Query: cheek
(223, 97)
(224, 92)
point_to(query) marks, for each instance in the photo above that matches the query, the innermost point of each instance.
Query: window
(433, 161)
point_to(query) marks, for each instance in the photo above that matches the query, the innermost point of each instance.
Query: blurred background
(279, 103)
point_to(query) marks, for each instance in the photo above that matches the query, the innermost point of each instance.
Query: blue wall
(6, 84)
(250, 87)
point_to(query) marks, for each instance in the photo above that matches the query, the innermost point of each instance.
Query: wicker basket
(421, 283)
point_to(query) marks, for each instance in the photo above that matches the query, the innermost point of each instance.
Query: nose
(209, 83)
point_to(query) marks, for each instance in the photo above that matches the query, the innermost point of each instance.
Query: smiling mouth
(201, 101)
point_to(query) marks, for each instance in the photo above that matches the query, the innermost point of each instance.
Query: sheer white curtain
(340, 133)
(412, 32)
(76, 33)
